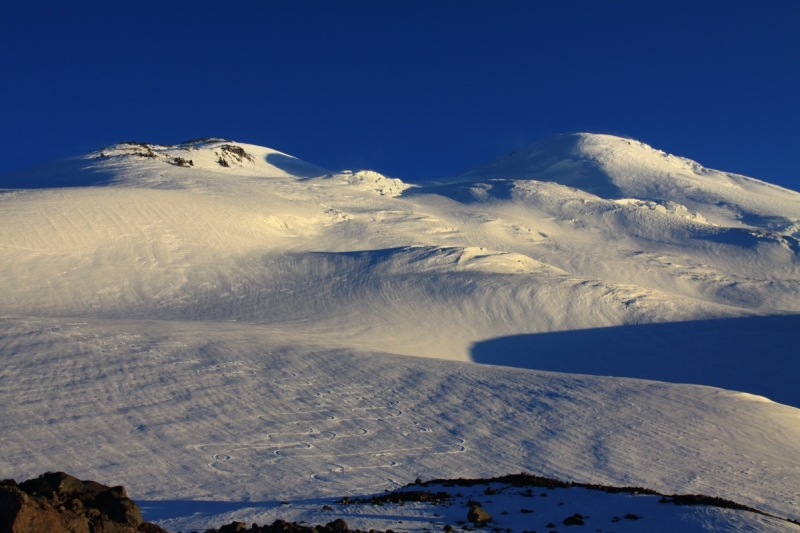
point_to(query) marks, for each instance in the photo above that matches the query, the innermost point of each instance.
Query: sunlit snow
(221, 321)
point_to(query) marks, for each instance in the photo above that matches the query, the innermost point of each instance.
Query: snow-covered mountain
(220, 320)
(634, 173)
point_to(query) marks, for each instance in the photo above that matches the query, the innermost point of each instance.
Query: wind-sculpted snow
(184, 410)
(224, 321)
(664, 207)
(372, 181)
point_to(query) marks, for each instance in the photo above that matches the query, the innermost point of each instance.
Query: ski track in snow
(357, 423)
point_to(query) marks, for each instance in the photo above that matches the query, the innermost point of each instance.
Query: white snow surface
(249, 327)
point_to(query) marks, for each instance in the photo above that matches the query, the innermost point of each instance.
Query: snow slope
(217, 320)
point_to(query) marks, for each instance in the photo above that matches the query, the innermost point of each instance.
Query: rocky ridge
(476, 516)
(56, 502)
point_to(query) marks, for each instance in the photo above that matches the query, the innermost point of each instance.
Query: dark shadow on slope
(201, 510)
(77, 172)
(759, 355)
(555, 159)
(735, 237)
(467, 192)
(157, 510)
(404, 254)
(750, 239)
(295, 167)
(366, 258)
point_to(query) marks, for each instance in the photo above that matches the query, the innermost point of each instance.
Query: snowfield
(221, 322)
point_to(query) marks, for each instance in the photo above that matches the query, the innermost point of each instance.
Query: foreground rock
(56, 502)
(477, 514)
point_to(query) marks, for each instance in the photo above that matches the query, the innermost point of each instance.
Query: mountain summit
(130, 162)
(616, 168)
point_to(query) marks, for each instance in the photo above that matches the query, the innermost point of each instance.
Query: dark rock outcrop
(56, 502)
(401, 497)
(478, 515)
(233, 527)
(281, 526)
(338, 525)
(574, 520)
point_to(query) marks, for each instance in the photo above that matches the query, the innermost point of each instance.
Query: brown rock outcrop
(56, 502)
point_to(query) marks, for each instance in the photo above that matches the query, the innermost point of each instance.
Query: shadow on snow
(758, 355)
(76, 172)
(294, 166)
(158, 510)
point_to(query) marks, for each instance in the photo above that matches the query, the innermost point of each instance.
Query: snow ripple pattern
(337, 427)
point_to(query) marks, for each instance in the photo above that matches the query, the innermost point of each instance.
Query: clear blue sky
(410, 89)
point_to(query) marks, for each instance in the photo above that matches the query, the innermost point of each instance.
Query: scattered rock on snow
(478, 515)
(233, 527)
(337, 526)
(574, 520)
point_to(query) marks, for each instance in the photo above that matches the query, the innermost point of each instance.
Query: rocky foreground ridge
(475, 515)
(56, 502)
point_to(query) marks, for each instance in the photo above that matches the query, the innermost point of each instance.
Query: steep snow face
(616, 168)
